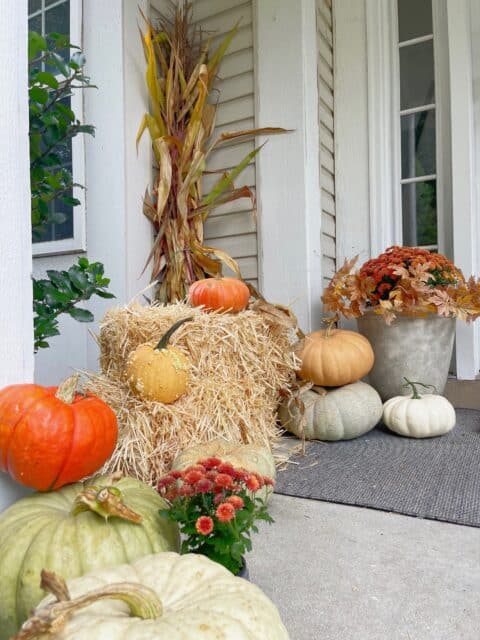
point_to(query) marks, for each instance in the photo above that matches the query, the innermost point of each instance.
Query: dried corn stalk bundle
(240, 365)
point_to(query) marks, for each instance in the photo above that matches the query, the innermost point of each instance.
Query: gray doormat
(437, 478)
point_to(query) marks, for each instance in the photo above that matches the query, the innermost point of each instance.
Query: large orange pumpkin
(334, 357)
(219, 294)
(52, 436)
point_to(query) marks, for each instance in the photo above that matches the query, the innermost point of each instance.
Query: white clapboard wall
(327, 157)
(232, 227)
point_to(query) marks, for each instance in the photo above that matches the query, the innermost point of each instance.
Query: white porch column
(465, 155)
(118, 234)
(16, 329)
(288, 182)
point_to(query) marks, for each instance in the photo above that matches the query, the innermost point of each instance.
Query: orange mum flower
(204, 525)
(192, 476)
(236, 501)
(252, 483)
(225, 512)
(223, 480)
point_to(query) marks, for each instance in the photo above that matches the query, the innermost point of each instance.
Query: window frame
(76, 244)
(441, 104)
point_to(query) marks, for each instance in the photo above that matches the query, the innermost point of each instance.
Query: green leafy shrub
(53, 76)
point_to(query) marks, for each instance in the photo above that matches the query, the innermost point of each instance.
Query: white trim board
(465, 153)
(288, 183)
(383, 125)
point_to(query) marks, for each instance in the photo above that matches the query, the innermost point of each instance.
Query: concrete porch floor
(346, 573)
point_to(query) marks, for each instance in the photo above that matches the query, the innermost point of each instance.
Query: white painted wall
(288, 183)
(351, 123)
(117, 232)
(16, 344)
(232, 227)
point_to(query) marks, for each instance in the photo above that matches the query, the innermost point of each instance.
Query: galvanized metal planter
(417, 348)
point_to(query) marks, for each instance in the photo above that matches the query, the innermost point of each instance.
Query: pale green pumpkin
(70, 532)
(341, 413)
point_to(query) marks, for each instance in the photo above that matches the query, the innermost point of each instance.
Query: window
(418, 106)
(63, 16)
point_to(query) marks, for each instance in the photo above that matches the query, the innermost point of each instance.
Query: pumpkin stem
(67, 390)
(50, 619)
(320, 390)
(329, 322)
(410, 383)
(163, 343)
(106, 502)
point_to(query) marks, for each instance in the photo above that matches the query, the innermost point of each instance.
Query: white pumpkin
(252, 457)
(166, 595)
(342, 413)
(419, 416)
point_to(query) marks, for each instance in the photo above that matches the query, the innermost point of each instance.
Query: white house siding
(325, 53)
(232, 227)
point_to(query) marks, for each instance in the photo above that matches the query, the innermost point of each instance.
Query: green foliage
(53, 125)
(60, 292)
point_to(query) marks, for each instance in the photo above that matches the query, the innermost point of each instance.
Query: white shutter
(327, 149)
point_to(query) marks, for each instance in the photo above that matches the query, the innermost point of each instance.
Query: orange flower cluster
(405, 280)
(220, 480)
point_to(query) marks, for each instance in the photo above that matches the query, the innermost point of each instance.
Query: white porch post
(288, 183)
(466, 210)
(16, 344)
(118, 234)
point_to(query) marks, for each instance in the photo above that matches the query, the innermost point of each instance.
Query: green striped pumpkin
(59, 531)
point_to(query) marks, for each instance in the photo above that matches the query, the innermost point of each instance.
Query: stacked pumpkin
(335, 404)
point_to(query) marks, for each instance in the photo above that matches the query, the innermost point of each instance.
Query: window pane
(416, 75)
(414, 19)
(34, 5)
(418, 144)
(419, 207)
(35, 24)
(57, 19)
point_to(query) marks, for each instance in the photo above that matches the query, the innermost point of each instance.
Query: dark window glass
(57, 19)
(419, 206)
(418, 144)
(35, 23)
(417, 86)
(34, 5)
(414, 19)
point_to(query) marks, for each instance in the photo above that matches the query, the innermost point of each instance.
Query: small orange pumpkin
(219, 294)
(334, 357)
(52, 436)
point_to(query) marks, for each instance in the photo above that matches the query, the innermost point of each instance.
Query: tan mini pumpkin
(336, 414)
(251, 457)
(335, 357)
(159, 373)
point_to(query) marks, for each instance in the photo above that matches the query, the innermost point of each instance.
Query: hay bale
(240, 364)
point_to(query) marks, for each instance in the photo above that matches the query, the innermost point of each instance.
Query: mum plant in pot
(215, 506)
(406, 302)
